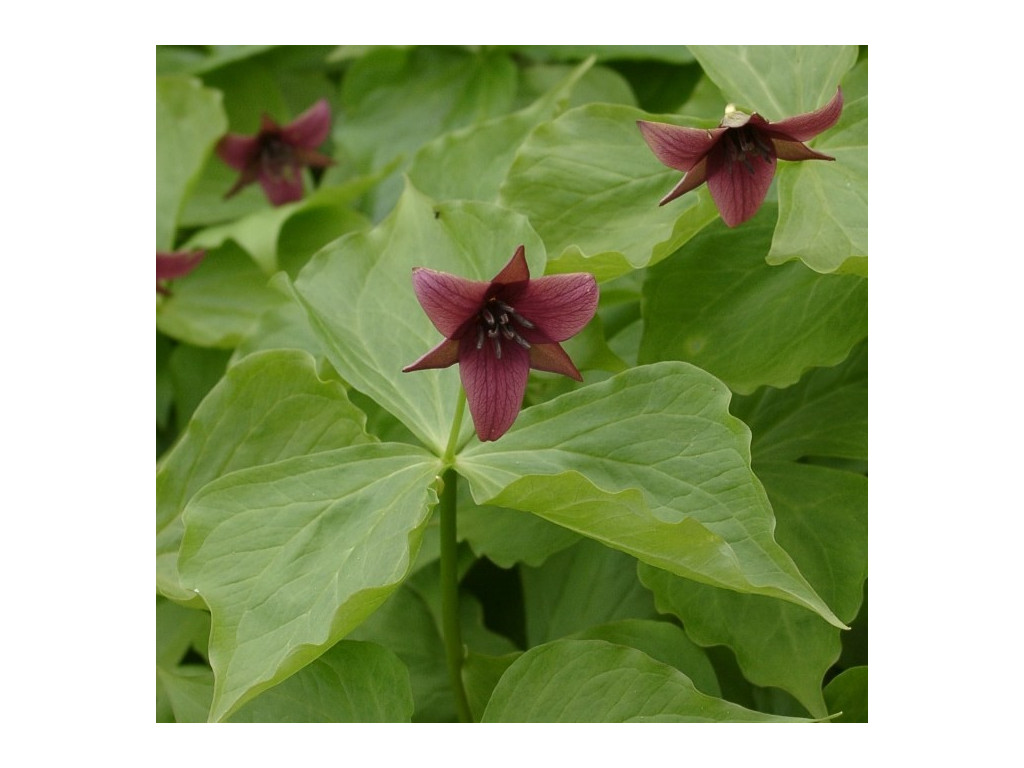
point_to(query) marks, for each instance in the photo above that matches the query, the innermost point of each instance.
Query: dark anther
(498, 319)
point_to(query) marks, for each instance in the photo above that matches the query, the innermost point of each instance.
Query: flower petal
(179, 264)
(693, 179)
(312, 158)
(794, 150)
(558, 305)
(282, 188)
(237, 150)
(737, 190)
(444, 354)
(494, 386)
(678, 147)
(809, 125)
(449, 301)
(552, 358)
(516, 271)
(310, 129)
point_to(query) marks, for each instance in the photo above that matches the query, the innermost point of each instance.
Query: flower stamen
(498, 319)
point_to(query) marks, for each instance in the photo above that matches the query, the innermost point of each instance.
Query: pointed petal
(809, 125)
(794, 150)
(558, 305)
(236, 150)
(283, 188)
(249, 174)
(309, 129)
(693, 179)
(449, 301)
(494, 387)
(268, 124)
(516, 271)
(172, 265)
(312, 159)
(736, 190)
(551, 357)
(678, 147)
(443, 355)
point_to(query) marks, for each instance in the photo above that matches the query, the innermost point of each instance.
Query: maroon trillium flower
(275, 156)
(498, 331)
(172, 265)
(737, 159)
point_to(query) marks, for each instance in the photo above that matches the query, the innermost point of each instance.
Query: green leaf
(359, 297)
(188, 691)
(677, 54)
(822, 522)
(651, 463)
(178, 629)
(508, 536)
(219, 302)
(397, 100)
(835, 238)
(824, 414)
(268, 407)
(352, 683)
(592, 681)
(471, 163)
(718, 305)
(848, 693)
(590, 186)
(663, 642)
(291, 556)
(585, 585)
(776, 81)
(189, 121)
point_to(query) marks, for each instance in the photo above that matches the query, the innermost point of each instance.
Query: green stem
(450, 595)
(450, 568)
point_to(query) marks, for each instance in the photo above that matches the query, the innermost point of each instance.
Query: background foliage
(681, 537)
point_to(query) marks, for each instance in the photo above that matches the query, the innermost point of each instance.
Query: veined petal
(552, 358)
(310, 129)
(693, 179)
(809, 125)
(494, 386)
(237, 150)
(516, 271)
(443, 355)
(737, 190)
(678, 147)
(448, 300)
(283, 188)
(794, 150)
(559, 305)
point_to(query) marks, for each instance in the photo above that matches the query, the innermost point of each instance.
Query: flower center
(498, 321)
(275, 155)
(743, 142)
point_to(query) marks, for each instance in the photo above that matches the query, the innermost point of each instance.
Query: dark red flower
(738, 158)
(498, 331)
(276, 155)
(172, 265)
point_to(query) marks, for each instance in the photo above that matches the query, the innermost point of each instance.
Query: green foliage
(680, 537)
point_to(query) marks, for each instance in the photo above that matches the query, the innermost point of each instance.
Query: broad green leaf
(189, 121)
(677, 54)
(580, 587)
(194, 372)
(592, 681)
(218, 303)
(822, 523)
(663, 642)
(848, 693)
(651, 463)
(776, 81)
(824, 414)
(599, 83)
(358, 294)
(396, 100)
(270, 406)
(286, 326)
(590, 186)
(471, 163)
(717, 304)
(178, 629)
(835, 238)
(352, 683)
(480, 675)
(188, 691)
(508, 536)
(291, 556)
